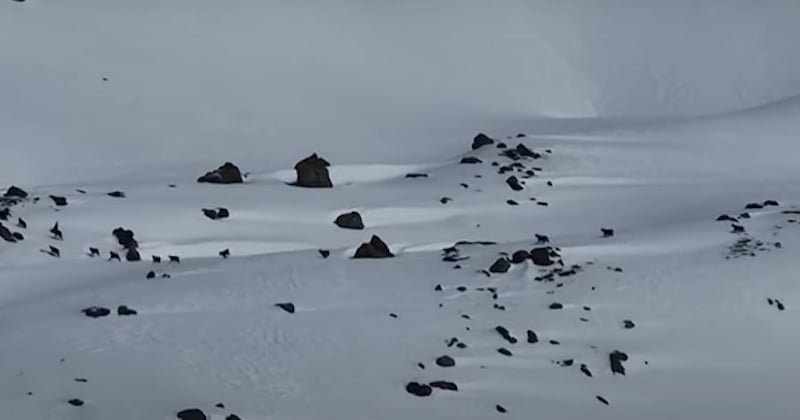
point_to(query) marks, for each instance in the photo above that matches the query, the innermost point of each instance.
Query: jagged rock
(419, 390)
(500, 266)
(15, 192)
(228, 173)
(351, 220)
(514, 184)
(123, 310)
(58, 200)
(532, 337)
(375, 248)
(543, 256)
(445, 361)
(616, 358)
(481, 140)
(286, 306)
(312, 172)
(444, 385)
(96, 312)
(192, 414)
(520, 256)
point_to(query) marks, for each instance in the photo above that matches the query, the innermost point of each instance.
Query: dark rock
(351, 220)
(445, 361)
(21, 223)
(470, 160)
(219, 405)
(223, 213)
(445, 200)
(75, 402)
(542, 256)
(156, 259)
(500, 408)
(567, 362)
(151, 275)
(504, 352)
(461, 289)
(18, 236)
(556, 306)
(123, 310)
(500, 266)
(312, 172)
(512, 203)
(744, 215)
(416, 175)
(210, 213)
(81, 380)
(419, 390)
(542, 239)
(132, 255)
(393, 315)
(125, 238)
(225, 253)
(438, 288)
(514, 184)
(5, 213)
(324, 253)
(6, 234)
(616, 358)
(233, 417)
(286, 306)
(520, 256)
(57, 234)
(375, 248)
(59, 201)
(586, 371)
(549, 183)
(113, 256)
(607, 233)
(737, 229)
(96, 312)
(116, 194)
(503, 331)
(753, 206)
(15, 192)
(779, 305)
(444, 385)
(481, 140)
(725, 217)
(174, 259)
(602, 400)
(523, 150)
(771, 203)
(502, 145)
(192, 414)
(228, 173)
(542, 203)
(532, 337)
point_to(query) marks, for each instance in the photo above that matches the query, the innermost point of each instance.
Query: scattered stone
(18, 236)
(123, 310)
(628, 324)
(5, 213)
(532, 337)
(76, 402)
(607, 233)
(228, 173)
(725, 217)
(225, 253)
(500, 408)
(375, 248)
(505, 352)
(419, 390)
(324, 253)
(96, 312)
(520, 256)
(481, 140)
(602, 400)
(446, 361)
(514, 184)
(556, 306)
(445, 200)
(151, 275)
(470, 160)
(503, 331)
(286, 306)
(444, 385)
(312, 172)
(192, 414)
(58, 200)
(586, 371)
(416, 175)
(351, 220)
(174, 259)
(616, 358)
(555, 343)
(512, 203)
(542, 203)
(116, 194)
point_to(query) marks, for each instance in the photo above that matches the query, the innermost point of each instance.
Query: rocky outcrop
(375, 248)
(312, 172)
(228, 173)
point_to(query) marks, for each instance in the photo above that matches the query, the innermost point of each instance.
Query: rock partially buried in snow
(351, 220)
(444, 385)
(228, 173)
(500, 266)
(470, 160)
(542, 256)
(58, 200)
(445, 361)
(123, 310)
(312, 172)
(15, 192)
(75, 402)
(481, 140)
(616, 358)
(419, 390)
(286, 306)
(192, 414)
(375, 248)
(96, 311)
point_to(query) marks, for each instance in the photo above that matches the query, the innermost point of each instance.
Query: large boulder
(228, 173)
(481, 140)
(15, 192)
(312, 172)
(543, 256)
(375, 248)
(351, 220)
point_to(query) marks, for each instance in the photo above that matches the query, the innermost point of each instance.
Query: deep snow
(660, 116)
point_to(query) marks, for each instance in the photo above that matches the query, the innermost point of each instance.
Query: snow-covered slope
(651, 118)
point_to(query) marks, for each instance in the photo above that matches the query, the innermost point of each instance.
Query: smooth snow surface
(659, 116)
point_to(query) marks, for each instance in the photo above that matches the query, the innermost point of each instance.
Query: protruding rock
(192, 414)
(131, 254)
(123, 310)
(76, 402)
(228, 173)
(543, 256)
(470, 160)
(116, 194)
(616, 358)
(96, 311)
(351, 220)
(514, 184)
(481, 140)
(556, 306)
(15, 192)
(444, 385)
(532, 337)
(375, 248)
(419, 390)
(520, 256)
(125, 237)
(58, 200)
(312, 172)
(500, 266)
(286, 306)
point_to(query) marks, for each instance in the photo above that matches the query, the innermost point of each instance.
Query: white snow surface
(659, 116)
